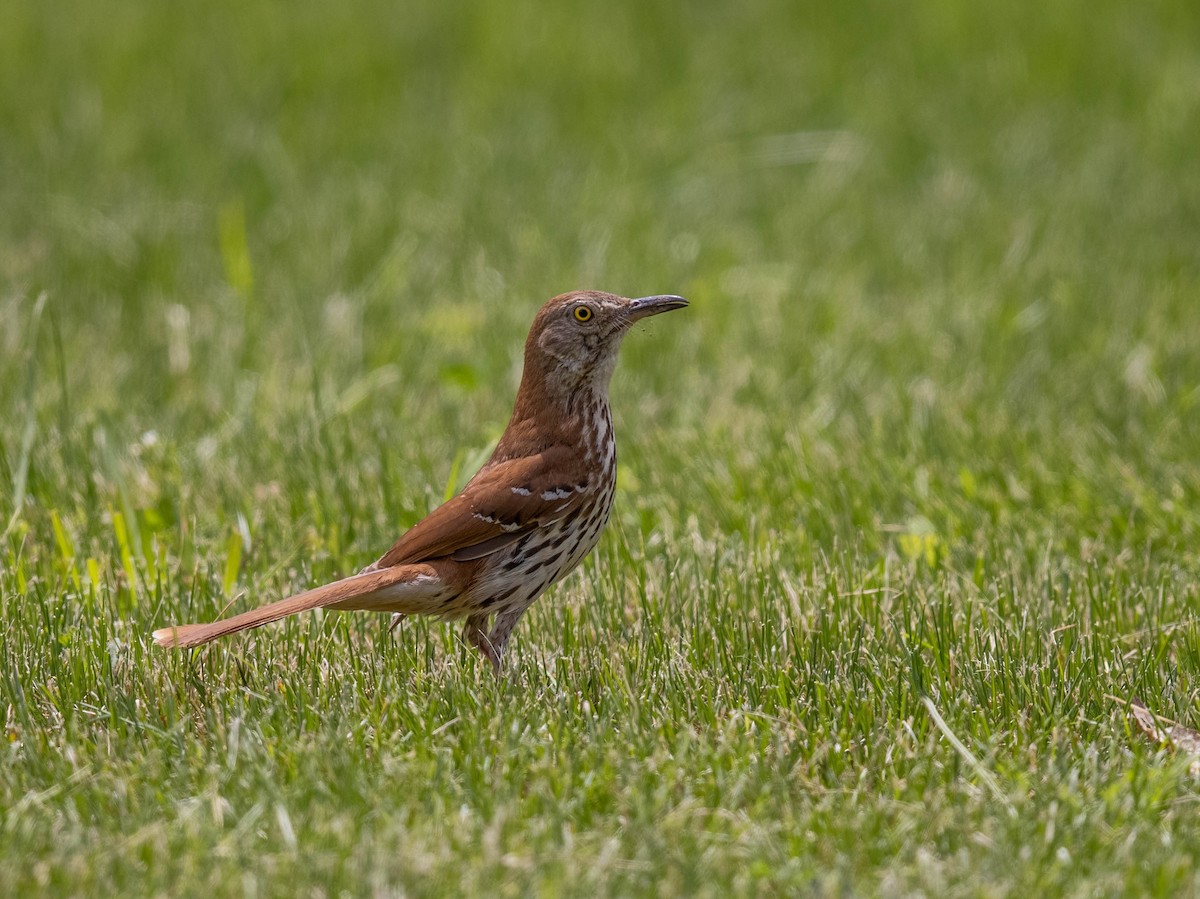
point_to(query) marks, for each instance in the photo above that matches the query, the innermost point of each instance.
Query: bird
(525, 520)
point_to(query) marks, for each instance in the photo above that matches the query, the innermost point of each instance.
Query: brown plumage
(530, 514)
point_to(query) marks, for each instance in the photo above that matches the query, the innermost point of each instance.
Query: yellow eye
(582, 313)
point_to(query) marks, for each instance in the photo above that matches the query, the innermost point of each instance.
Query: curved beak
(643, 307)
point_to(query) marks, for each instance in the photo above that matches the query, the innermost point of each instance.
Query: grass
(907, 497)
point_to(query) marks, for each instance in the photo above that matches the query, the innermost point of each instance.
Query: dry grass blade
(1178, 737)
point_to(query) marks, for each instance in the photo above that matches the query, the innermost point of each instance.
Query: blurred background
(929, 244)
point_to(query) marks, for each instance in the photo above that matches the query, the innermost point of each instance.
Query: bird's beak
(643, 307)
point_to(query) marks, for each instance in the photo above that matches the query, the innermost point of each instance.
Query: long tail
(403, 588)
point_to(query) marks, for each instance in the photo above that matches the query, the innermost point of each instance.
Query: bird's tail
(402, 588)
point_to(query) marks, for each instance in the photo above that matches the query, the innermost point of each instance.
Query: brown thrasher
(529, 515)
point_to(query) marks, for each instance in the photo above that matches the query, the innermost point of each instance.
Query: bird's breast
(516, 575)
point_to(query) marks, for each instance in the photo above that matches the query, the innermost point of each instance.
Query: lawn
(909, 498)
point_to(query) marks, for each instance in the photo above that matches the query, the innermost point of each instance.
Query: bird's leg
(501, 630)
(397, 617)
(475, 633)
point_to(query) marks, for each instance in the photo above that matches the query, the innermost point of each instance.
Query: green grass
(928, 438)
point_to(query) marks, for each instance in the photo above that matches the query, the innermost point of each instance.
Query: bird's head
(575, 338)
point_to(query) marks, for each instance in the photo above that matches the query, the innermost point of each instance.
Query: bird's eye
(582, 314)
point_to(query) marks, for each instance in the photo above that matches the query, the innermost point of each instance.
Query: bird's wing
(501, 503)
